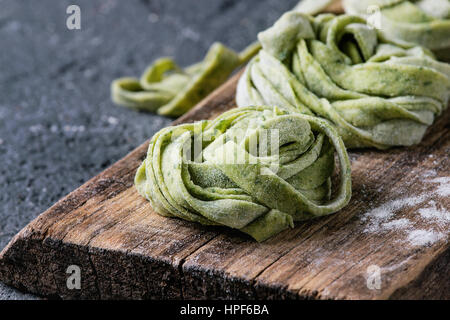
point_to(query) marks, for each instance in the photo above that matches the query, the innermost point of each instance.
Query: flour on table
(396, 224)
(432, 212)
(429, 173)
(443, 188)
(434, 217)
(424, 237)
(380, 216)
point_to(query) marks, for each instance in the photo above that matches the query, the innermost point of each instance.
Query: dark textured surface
(58, 127)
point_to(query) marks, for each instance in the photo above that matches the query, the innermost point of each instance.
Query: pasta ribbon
(423, 22)
(171, 91)
(378, 93)
(256, 169)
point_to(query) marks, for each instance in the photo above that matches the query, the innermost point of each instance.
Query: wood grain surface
(391, 242)
(125, 250)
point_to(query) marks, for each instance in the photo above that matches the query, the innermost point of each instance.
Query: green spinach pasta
(378, 93)
(424, 22)
(169, 90)
(256, 169)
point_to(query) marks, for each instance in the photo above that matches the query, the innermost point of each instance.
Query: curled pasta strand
(376, 92)
(256, 169)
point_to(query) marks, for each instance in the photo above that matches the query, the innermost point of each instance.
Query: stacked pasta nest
(315, 85)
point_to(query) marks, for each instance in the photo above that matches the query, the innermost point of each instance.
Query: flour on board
(432, 214)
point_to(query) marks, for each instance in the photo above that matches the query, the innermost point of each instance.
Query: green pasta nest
(256, 169)
(424, 22)
(378, 93)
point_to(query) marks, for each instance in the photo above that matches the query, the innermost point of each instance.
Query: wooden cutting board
(391, 241)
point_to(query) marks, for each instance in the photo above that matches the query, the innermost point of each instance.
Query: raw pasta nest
(424, 22)
(256, 169)
(376, 92)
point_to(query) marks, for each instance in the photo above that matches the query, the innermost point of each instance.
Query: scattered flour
(380, 216)
(396, 224)
(424, 237)
(429, 173)
(153, 17)
(441, 216)
(72, 128)
(188, 33)
(435, 216)
(36, 128)
(387, 209)
(113, 121)
(54, 128)
(443, 188)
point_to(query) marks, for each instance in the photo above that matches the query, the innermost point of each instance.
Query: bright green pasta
(256, 169)
(376, 92)
(169, 90)
(424, 22)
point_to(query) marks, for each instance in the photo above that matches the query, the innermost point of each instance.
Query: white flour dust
(424, 237)
(431, 214)
(443, 188)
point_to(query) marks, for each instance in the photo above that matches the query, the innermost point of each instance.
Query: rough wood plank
(329, 257)
(127, 251)
(139, 252)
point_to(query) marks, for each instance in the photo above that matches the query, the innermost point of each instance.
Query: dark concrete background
(58, 126)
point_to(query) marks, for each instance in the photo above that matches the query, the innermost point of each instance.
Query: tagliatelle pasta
(378, 93)
(256, 169)
(169, 90)
(424, 22)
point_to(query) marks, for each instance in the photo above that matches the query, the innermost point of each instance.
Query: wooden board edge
(423, 286)
(181, 281)
(33, 237)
